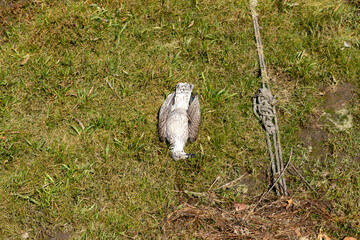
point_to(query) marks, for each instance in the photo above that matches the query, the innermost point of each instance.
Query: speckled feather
(179, 119)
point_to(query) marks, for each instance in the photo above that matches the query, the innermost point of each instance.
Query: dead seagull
(179, 119)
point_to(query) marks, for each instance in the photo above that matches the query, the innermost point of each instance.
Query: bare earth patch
(332, 115)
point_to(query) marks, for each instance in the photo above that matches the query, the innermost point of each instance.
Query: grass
(78, 132)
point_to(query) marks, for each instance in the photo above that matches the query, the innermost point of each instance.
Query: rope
(259, 47)
(264, 110)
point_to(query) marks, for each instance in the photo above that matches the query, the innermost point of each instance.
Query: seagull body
(179, 119)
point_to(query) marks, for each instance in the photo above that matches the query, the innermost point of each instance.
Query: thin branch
(230, 183)
(304, 180)
(216, 179)
(308, 184)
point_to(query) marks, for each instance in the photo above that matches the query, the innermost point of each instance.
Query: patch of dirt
(10, 8)
(11, 12)
(52, 232)
(60, 236)
(335, 100)
(282, 84)
(314, 137)
(282, 218)
(333, 111)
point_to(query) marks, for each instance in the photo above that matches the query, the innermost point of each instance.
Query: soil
(336, 98)
(314, 135)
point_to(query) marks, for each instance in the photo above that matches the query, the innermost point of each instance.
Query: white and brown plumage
(179, 119)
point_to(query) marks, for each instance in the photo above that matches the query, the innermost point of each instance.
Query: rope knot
(264, 109)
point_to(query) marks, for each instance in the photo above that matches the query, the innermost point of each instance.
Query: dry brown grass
(273, 218)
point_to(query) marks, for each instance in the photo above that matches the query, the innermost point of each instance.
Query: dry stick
(80, 123)
(302, 178)
(112, 88)
(196, 194)
(230, 183)
(264, 194)
(216, 179)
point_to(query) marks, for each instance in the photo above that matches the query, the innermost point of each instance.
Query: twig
(11, 132)
(216, 179)
(75, 106)
(230, 183)
(304, 180)
(103, 208)
(196, 194)
(109, 84)
(308, 184)
(112, 88)
(92, 88)
(80, 123)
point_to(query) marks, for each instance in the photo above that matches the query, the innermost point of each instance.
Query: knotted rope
(264, 110)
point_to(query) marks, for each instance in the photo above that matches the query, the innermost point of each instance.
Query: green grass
(79, 144)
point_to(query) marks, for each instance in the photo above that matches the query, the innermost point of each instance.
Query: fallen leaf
(289, 203)
(25, 60)
(298, 233)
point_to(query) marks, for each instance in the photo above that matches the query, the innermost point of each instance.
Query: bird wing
(194, 114)
(163, 114)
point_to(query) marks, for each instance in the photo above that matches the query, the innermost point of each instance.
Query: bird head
(183, 94)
